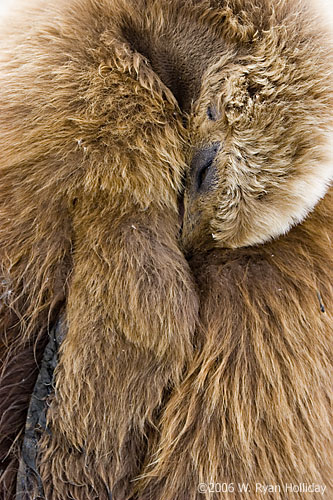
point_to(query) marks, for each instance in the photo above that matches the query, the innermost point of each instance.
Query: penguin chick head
(261, 132)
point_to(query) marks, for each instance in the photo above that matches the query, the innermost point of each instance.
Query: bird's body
(191, 355)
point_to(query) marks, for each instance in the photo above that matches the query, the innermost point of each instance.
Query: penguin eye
(210, 113)
(213, 113)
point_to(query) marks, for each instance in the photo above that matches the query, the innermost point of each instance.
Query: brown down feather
(193, 357)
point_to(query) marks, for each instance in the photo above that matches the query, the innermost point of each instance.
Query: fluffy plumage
(272, 97)
(256, 404)
(91, 162)
(151, 398)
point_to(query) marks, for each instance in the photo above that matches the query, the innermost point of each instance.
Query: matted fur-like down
(91, 164)
(151, 398)
(256, 405)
